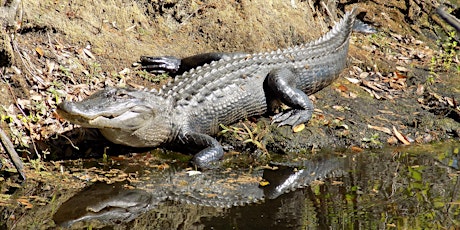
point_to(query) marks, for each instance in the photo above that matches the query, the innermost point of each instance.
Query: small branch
(449, 18)
(12, 153)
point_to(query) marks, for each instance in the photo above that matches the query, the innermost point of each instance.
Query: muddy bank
(401, 85)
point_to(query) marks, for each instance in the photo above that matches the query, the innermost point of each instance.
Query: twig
(22, 112)
(70, 141)
(12, 153)
(449, 18)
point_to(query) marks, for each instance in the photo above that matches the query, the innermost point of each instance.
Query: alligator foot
(211, 151)
(177, 66)
(292, 117)
(208, 158)
(282, 82)
(159, 65)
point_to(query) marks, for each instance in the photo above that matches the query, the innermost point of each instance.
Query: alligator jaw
(70, 112)
(125, 118)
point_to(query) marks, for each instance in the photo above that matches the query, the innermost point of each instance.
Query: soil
(401, 86)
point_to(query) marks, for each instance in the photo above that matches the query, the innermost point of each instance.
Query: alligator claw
(293, 117)
(158, 65)
(281, 117)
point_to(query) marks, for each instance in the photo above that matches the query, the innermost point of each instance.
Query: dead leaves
(298, 128)
(401, 137)
(401, 52)
(381, 129)
(377, 85)
(440, 105)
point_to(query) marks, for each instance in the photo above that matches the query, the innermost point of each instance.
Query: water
(404, 187)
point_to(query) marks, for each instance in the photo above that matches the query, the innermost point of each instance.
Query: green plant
(152, 77)
(445, 57)
(94, 69)
(374, 139)
(448, 51)
(65, 71)
(433, 75)
(55, 91)
(18, 133)
(6, 118)
(37, 164)
(246, 135)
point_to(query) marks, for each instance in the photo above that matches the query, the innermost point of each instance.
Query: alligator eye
(122, 94)
(109, 116)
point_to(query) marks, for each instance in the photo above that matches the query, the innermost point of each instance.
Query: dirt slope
(402, 82)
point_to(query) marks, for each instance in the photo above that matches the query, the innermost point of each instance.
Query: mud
(76, 49)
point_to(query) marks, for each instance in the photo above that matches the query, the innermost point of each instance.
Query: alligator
(214, 89)
(225, 189)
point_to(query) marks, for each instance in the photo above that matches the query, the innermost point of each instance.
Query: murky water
(406, 187)
(403, 187)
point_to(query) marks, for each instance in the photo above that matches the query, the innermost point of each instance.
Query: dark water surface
(405, 187)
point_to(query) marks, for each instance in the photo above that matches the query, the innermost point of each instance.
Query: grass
(445, 59)
(246, 135)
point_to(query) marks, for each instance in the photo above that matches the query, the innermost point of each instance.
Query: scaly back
(216, 75)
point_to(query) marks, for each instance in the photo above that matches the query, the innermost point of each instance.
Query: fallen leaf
(88, 53)
(23, 103)
(124, 71)
(25, 202)
(420, 89)
(400, 136)
(386, 112)
(353, 95)
(193, 173)
(39, 51)
(364, 75)
(372, 85)
(353, 80)
(264, 183)
(357, 69)
(402, 69)
(342, 88)
(298, 128)
(356, 149)
(338, 108)
(398, 75)
(337, 182)
(382, 129)
(450, 101)
(392, 140)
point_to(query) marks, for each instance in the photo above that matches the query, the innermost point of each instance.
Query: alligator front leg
(159, 65)
(283, 84)
(211, 151)
(177, 66)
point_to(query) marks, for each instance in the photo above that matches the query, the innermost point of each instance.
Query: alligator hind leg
(211, 150)
(283, 83)
(177, 66)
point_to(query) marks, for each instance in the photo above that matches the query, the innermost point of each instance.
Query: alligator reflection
(222, 189)
(408, 187)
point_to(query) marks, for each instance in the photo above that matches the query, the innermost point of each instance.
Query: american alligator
(216, 188)
(214, 89)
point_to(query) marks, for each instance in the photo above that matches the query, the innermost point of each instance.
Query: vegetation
(446, 58)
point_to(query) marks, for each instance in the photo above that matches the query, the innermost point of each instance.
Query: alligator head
(121, 115)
